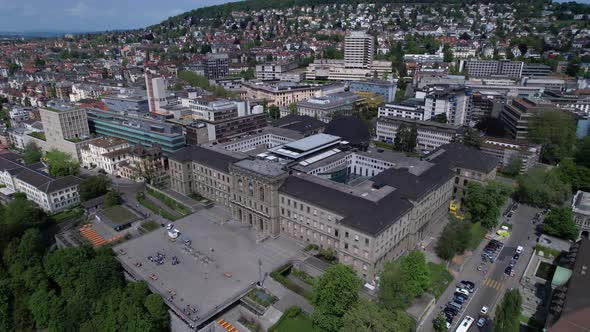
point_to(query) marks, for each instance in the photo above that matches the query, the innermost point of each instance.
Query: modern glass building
(144, 131)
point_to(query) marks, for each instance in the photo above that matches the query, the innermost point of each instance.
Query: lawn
(176, 206)
(293, 322)
(547, 251)
(545, 271)
(383, 145)
(118, 213)
(440, 278)
(478, 232)
(280, 275)
(154, 208)
(149, 225)
(67, 215)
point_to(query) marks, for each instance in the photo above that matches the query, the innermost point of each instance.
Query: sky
(90, 15)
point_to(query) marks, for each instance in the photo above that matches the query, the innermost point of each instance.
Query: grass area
(383, 145)
(545, 271)
(478, 232)
(39, 135)
(280, 275)
(67, 215)
(154, 208)
(118, 213)
(171, 203)
(547, 251)
(260, 297)
(149, 225)
(440, 278)
(303, 276)
(530, 321)
(293, 320)
(252, 325)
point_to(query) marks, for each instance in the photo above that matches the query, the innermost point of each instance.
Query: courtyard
(208, 267)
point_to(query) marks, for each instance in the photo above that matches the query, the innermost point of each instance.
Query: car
(459, 300)
(510, 214)
(461, 295)
(460, 285)
(508, 270)
(481, 322)
(462, 291)
(448, 325)
(519, 249)
(169, 226)
(451, 310)
(484, 310)
(455, 305)
(516, 257)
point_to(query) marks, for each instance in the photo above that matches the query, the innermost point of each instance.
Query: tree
(274, 112)
(112, 198)
(439, 323)
(573, 67)
(453, 240)
(293, 109)
(94, 186)
(147, 168)
(471, 137)
(32, 153)
(17, 216)
(405, 138)
(440, 118)
(542, 188)
(513, 167)
(483, 202)
(582, 156)
(367, 316)
(560, 222)
(555, 131)
(447, 54)
(508, 312)
(334, 293)
(577, 176)
(61, 163)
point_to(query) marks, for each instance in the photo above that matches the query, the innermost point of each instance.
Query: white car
(484, 310)
(462, 291)
(169, 227)
(519, 250)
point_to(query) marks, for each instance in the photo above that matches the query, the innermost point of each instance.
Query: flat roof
(312, 142)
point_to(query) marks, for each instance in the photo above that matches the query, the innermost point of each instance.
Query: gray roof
(361, 214)
(459, 155)
(264, 167)
(299, 123)
(211, 158)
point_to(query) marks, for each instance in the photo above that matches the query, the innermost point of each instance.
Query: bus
(465, 324)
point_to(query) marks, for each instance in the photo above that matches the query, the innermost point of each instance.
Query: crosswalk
(493, 283)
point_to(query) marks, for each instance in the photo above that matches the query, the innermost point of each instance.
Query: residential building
(487, 68)
(146, 164)
(517, 113)
(385, 89)
(504, 149)
(216, 65)
(412, 108)
(51, 194)
(327, 107)
(278, 93)
(450, 101)
(63, 90)
(106, 153)
(484, 104)
(358, 50)
(137, 130)
(273, 70)
(431, 135)
(156, 92)
(581, 210)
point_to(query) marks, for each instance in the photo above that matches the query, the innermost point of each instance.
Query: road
(491, 286)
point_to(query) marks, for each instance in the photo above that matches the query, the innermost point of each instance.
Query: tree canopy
(94, 186)
(508, 312)
(32, 153)
(483, 202)
(560, 222)
(556, 132)
(543, 188)
(454, 239)
(405, 138)
(335, 292)
(367, 316)
(403, 280)
(582, 156)
(18, 215)
(61, 163)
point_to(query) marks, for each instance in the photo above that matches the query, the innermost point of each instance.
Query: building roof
(420, 123)
(459, 155)
(299, 123)
(350, 128)
(107, 142)
(211, 158)
(264, 167)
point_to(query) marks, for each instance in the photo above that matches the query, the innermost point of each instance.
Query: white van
(519, 250)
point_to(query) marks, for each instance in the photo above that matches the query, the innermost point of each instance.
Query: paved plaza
(220, 265)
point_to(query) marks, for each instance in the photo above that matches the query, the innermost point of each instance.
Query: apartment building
(278, 93)
(137, 130)
(106, 153)
(51, 194)
(517, 113)
(431, 135)
(327, 107)
(453, 102)
(487, 68)
(504, 149)
(216, 65)
(65, 128)
(358, 50)
(412, 108)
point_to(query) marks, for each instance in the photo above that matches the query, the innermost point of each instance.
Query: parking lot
(220, 264)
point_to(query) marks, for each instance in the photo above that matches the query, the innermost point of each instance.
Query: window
(261, 193)
(346, 235)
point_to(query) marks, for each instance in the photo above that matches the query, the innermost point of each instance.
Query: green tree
(560, 222)
(447, 54)
(439, 323)
(112, 198)
(32, 153)
(508, 312)
(513, 167)
(471, 137)
(440, 118)
(367, 316)
(61, 163)
(405, 138)
(582, 156)
(483, 202)
(293, 109)
(542, 188)
(403, 280)
(17, 216)
(335, 292)
(577, 176)
(454, 239)
(573, 67)
(556, 132)
(94, 186)
(274, 112)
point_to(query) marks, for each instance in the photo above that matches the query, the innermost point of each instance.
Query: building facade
(431, 135)
(453, 102)
(385, 89)
(106, 153)
(581, 210)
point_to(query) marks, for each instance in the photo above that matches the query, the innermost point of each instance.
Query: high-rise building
(451, 101)
(517, 113)
(216, 65)
(358, 50)
(156, 92)
(485, 68)
(65, 129)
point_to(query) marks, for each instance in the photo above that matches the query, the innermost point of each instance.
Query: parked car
(516, 257)
(455, 305)
(462, 291)
(451, 310)
(461, 295)
(459, 300)
(481, 322)
(484, 310)
(519, 249)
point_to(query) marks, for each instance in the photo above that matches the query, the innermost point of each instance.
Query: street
(490, 286)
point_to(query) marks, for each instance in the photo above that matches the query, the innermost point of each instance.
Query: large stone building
(581, 210)
(106, 153)
(51, 194)
(278, 93)
(431, 134)
(367, 206)
(327, 107)
(505, 149)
